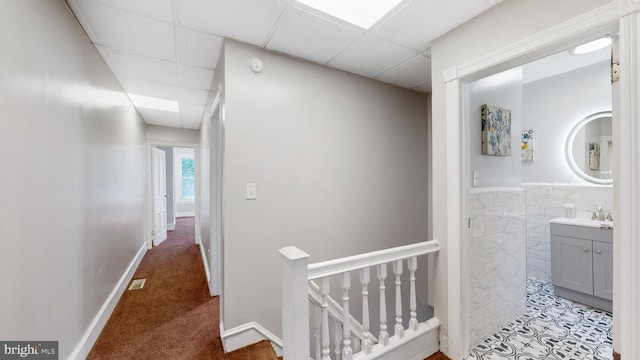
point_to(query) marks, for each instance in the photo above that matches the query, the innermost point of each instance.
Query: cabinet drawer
(582, 232)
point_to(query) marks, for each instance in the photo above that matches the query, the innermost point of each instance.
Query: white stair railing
(351, 340)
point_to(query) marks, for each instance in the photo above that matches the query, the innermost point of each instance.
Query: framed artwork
(527, 138)
(496, 131)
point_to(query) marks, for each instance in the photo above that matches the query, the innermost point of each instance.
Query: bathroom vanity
(582, 260)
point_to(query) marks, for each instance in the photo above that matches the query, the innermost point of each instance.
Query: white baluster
(324, 291)
(317, 328)
(364, 280)
(397, 269)
(356, 344)
(347, 352)
(383, 338)
(413, 266)
(337, 339)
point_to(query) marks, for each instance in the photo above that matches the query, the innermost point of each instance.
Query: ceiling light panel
(371, 56)
(159, 117)
(248, 21)
(134, 33)
(362, 13)
(311, 37)
(148, 102)
(429, 19)
(198, 48)
(134, 85)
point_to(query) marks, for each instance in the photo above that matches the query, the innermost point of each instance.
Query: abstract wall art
(527, 137)
(496, 131)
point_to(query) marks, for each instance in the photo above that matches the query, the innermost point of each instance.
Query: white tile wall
(543, 203)
(497, 259)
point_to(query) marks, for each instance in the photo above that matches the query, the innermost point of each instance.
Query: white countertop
(581, 222)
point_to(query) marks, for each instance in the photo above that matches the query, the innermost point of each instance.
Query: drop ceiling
(169, 49)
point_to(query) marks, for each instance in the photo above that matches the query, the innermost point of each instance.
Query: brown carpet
(173, 316)
(438, 356)
(258, 351)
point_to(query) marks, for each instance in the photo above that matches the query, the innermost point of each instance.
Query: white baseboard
(414, 345)
(171, 227)
(247, 334)
(204, 260)
(91, 335)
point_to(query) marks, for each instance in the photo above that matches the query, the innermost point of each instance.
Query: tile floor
(555, 328)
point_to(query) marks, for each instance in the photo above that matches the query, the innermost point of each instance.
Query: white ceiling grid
(170, 48)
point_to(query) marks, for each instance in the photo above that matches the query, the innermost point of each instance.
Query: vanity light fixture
(154, 103)
(362, 13)
(591, 46)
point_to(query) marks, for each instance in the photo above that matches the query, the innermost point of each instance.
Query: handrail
(350, 263)
(335, 312)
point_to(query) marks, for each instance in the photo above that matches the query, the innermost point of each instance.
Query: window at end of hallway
(187, 179)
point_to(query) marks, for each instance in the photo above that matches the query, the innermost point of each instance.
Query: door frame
(149, 209)
(606, 19)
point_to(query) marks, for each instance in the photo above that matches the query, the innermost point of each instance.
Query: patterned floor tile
(554, 328)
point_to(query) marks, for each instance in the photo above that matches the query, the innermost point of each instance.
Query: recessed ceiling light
(362, 13)
(154, 103)
(592, 46)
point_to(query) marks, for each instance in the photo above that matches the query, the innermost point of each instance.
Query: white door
(159, 171)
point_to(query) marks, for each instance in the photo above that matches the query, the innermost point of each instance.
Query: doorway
(516, 191)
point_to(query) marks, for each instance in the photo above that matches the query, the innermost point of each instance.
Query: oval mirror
(589, 148)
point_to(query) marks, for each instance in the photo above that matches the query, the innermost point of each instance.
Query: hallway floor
(173, 316)
(554, 328)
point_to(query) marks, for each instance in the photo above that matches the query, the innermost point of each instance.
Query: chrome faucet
(600, 214)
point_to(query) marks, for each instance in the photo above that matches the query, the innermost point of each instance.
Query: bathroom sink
(583, 222)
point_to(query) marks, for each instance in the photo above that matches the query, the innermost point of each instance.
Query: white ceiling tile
(421, 21)
(127, 31)
(424, 87)
(410, 74)
(191, 115)
(198, 49)
(249, 21)
(140, 66)
(157, 9)
(308, 36)
(193, 96)
(371, 56)
(195, 77)
(159, 117)
(147, 88)
(191, 125)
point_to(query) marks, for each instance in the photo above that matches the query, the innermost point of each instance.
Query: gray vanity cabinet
(582, 264)
(603, 270)
(572, 263)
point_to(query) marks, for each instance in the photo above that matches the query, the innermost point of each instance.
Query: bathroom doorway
(520, 179)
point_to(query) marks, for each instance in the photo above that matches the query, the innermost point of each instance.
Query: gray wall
(73, 188)
(553, 106)
(171, 216)
(340, 163)
(163, 135)
(503, 90)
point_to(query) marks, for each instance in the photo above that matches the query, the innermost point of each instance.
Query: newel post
(295, 303)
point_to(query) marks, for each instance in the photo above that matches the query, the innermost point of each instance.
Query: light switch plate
(251, 191)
